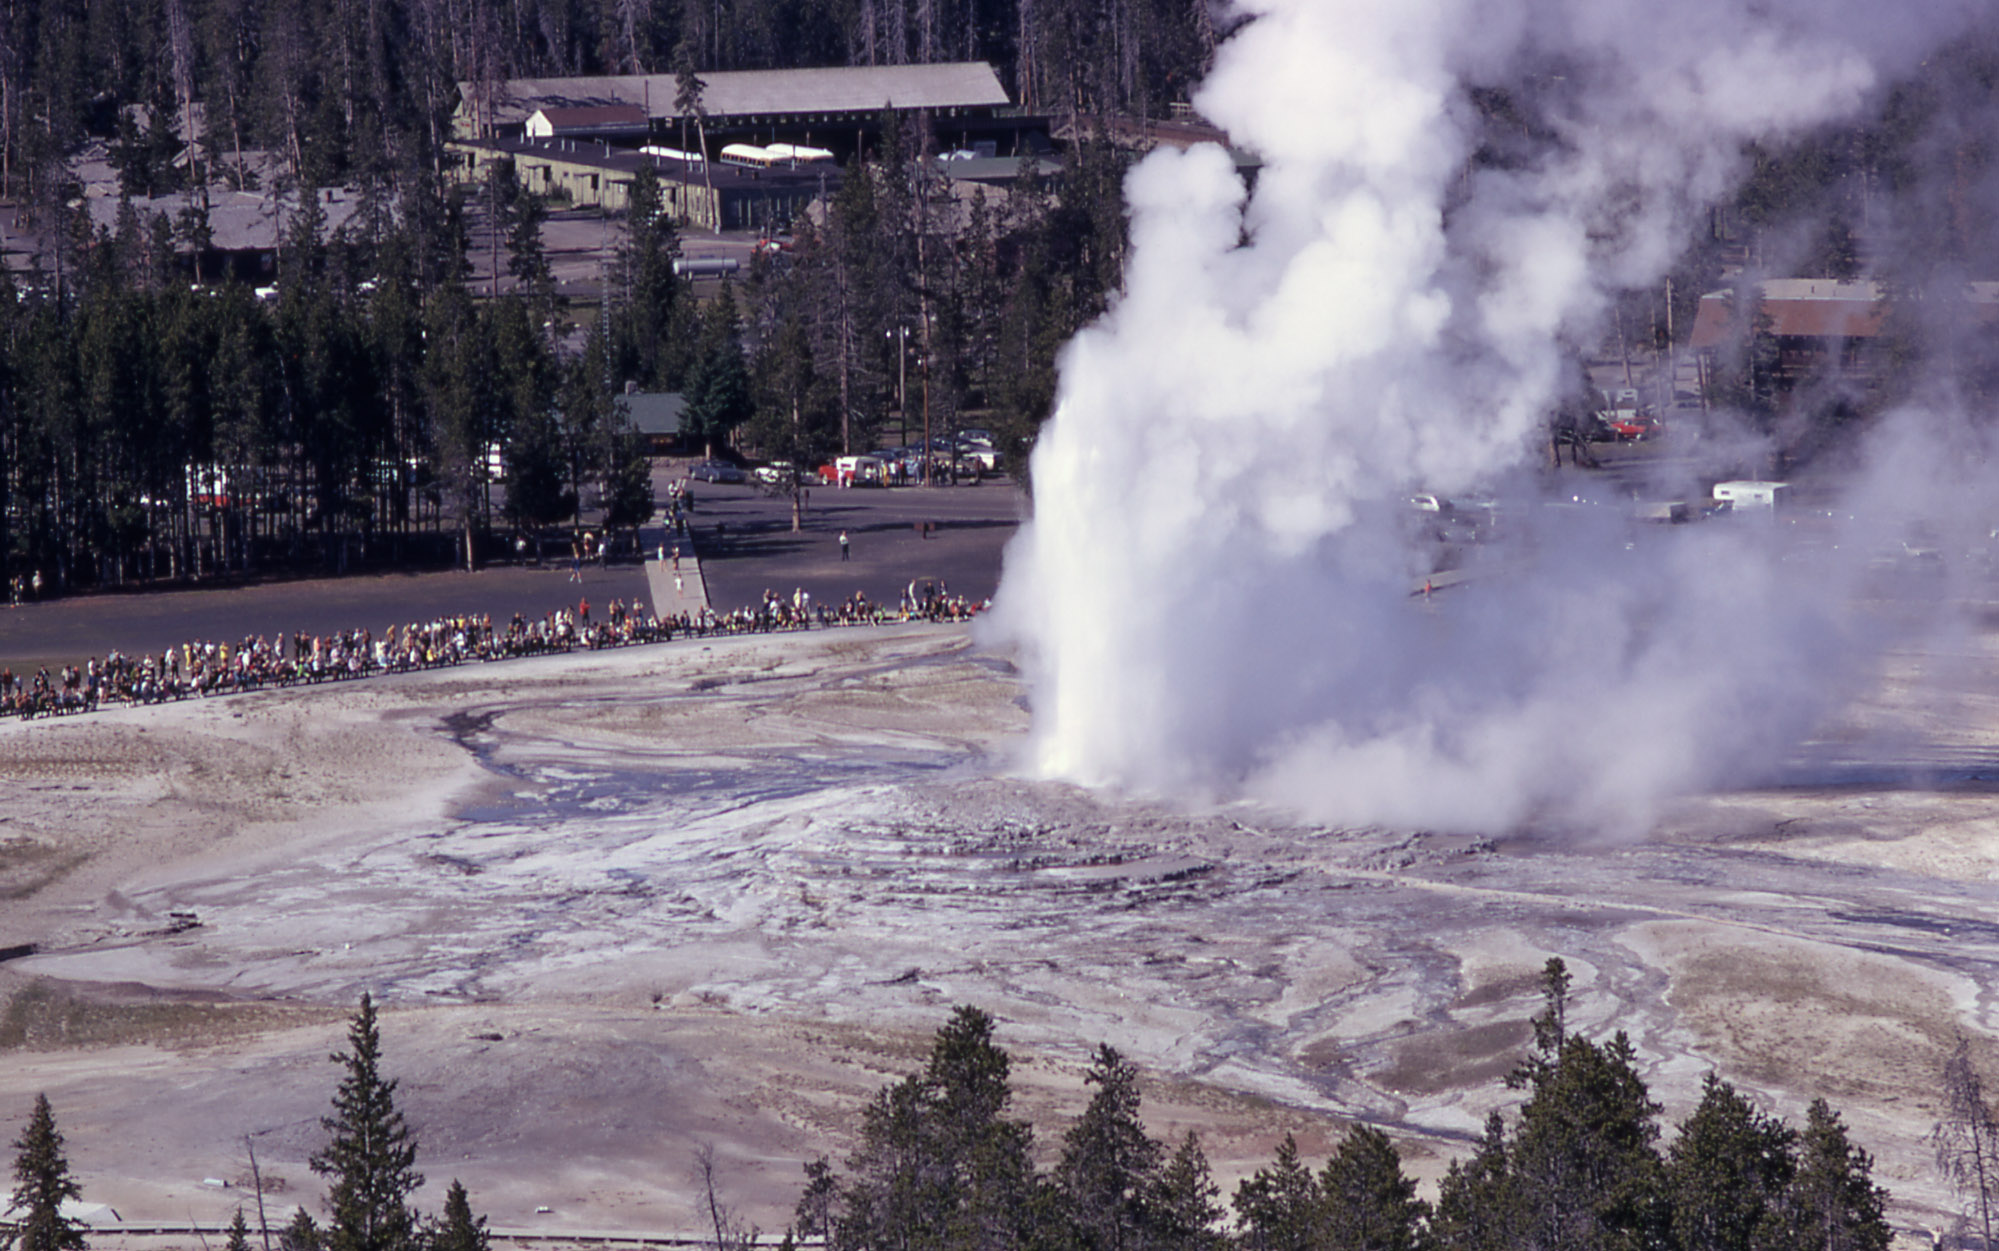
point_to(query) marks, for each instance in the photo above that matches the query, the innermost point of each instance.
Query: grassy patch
(26, 866)
(44, 1016)
(1463, 1059)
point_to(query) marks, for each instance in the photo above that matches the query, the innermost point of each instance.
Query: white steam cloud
(1213, 596)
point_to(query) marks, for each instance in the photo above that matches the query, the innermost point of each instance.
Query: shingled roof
(238, 221)
(1819, 308)
(759, 93)
(593, 119)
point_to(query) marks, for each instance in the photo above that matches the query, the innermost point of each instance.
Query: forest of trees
(150, 429)
(156, 428)
(942, 1165)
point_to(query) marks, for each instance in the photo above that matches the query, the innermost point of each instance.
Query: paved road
(742, 536)
(72, 630)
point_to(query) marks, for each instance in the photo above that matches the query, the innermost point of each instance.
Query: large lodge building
(1822, 328)
(774, 136)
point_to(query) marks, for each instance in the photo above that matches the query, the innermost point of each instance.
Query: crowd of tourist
(257, 663)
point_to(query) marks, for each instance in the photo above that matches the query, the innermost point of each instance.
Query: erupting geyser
(1213, 596)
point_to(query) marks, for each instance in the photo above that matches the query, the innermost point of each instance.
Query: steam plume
(1213, 596)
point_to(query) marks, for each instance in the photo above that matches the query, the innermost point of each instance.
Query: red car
(1631, 426)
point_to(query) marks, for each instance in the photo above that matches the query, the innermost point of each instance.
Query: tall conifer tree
(1833, 1204)
(42, 1184)
(1726, 1172)
(239, 1233)
(1186, 1208)
(458, 1229)
(371, 1161)
(1108, 1160)
(1280, 1206)
(1370, 1204)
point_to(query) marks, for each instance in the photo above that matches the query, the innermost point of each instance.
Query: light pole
(901, 336)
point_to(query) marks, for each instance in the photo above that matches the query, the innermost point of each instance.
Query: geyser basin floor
(620, 905)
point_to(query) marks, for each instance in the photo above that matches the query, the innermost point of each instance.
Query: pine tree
(1477, 1204)
(794, 420)
(1583, 1169)
(527, 259)
(815, 1207)
(899, 1194)
(1185, 1207)
(1552, 1026)
(648, 323)
(1726, 1172)
(302, 1234)
(460, 383)
(1370, 1204)
(525, 416)
(1108, 1160)
(718, 388)
(458, 1230)
(1279, 1206)
(586, 418)
(985, 1153)
(1583, 1158)
(628, 498)
(42, 1184)
(940, 1165)
(239, 1233)
(371, 1158)
(688, 91)
(1833, 1203)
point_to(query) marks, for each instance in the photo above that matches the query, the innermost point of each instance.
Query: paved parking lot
(952, 535)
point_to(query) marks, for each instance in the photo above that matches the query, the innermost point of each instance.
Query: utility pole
(923, 284)
(493, 225)
(902, 380)
(604, 293)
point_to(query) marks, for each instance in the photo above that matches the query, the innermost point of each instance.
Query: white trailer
(705, 266)
(1748, 495)
(858, 471)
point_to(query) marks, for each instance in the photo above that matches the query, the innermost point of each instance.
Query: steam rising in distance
(1213, 596)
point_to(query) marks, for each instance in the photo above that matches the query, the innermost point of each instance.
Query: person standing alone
(843, 545)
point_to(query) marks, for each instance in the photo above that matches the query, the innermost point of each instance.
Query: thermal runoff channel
(1214, 597)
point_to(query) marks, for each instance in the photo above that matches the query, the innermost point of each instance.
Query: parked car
(716, 471)
(1631, 427)
(978, 456)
